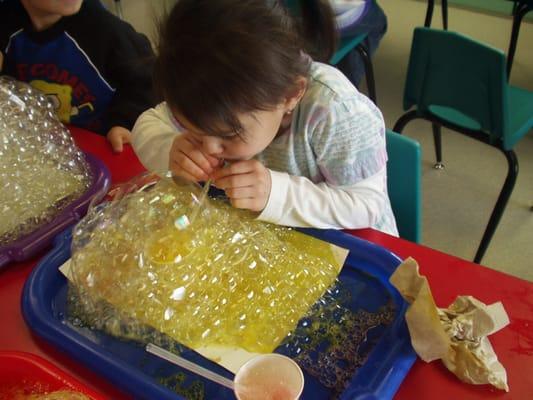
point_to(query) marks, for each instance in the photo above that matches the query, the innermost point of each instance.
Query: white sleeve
(152, 137)
(297, 201)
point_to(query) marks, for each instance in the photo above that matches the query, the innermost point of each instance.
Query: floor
(457, 201)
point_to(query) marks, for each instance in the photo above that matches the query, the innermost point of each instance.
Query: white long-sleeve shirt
(328, 171)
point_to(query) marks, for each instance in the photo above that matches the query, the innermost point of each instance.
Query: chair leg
(438, 145)
(518, 14)
(369, 72)
(437, 137)
(444, 5)
(429, 13)
(499, 208)
(404, 120)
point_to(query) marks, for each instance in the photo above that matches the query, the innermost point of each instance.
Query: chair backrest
(403, 182)
(448, 69)
(346, 45)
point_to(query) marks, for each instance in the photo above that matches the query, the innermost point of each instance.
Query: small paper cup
(269, 377)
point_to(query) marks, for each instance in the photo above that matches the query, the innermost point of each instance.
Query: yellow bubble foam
(226, 279)
(41, 169)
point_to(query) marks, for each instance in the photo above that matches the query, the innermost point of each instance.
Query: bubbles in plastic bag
(41, 169)
(222, 279)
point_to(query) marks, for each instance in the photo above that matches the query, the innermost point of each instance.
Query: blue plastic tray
(129, 367)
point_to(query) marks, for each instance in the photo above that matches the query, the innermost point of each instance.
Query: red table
(448, 276)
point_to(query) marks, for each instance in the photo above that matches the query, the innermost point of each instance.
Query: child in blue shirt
(94, 67)
(285, 136)
(354, 17)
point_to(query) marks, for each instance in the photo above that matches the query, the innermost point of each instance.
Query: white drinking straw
(188, 365)
(201, 200)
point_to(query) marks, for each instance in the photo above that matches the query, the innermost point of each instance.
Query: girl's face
(259, 130)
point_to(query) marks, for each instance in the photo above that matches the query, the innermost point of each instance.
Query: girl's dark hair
(316, 24)
(219, 58)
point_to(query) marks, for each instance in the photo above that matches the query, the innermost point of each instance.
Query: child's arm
(152, 137)
(297, 201)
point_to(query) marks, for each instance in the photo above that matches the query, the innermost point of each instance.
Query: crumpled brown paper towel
(458, 334)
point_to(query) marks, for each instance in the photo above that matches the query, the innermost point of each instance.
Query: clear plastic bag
(41, 169)
(222, 279)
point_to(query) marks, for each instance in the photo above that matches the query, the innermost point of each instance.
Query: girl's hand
(186, 159)
(246, 183)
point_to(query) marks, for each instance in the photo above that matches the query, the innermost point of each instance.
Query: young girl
(282, 135)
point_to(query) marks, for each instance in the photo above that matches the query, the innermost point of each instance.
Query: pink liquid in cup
(269, 377)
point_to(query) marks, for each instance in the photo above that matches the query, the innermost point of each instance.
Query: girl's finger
(185, 164)
(247, 192)
(247, 204)
(236, 168)
(184, 148)
(236, 181)
(215, 162)
(194, 145)
(200, 160)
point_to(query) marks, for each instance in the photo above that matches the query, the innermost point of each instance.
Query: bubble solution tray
(29, 245)
(127, 365)
(25, 371)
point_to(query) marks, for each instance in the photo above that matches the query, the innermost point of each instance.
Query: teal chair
(403, 182)
(520, 9)
(344, 47)
(429, 13)
(459, 83)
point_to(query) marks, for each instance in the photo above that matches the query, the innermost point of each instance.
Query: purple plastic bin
(29, 245)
